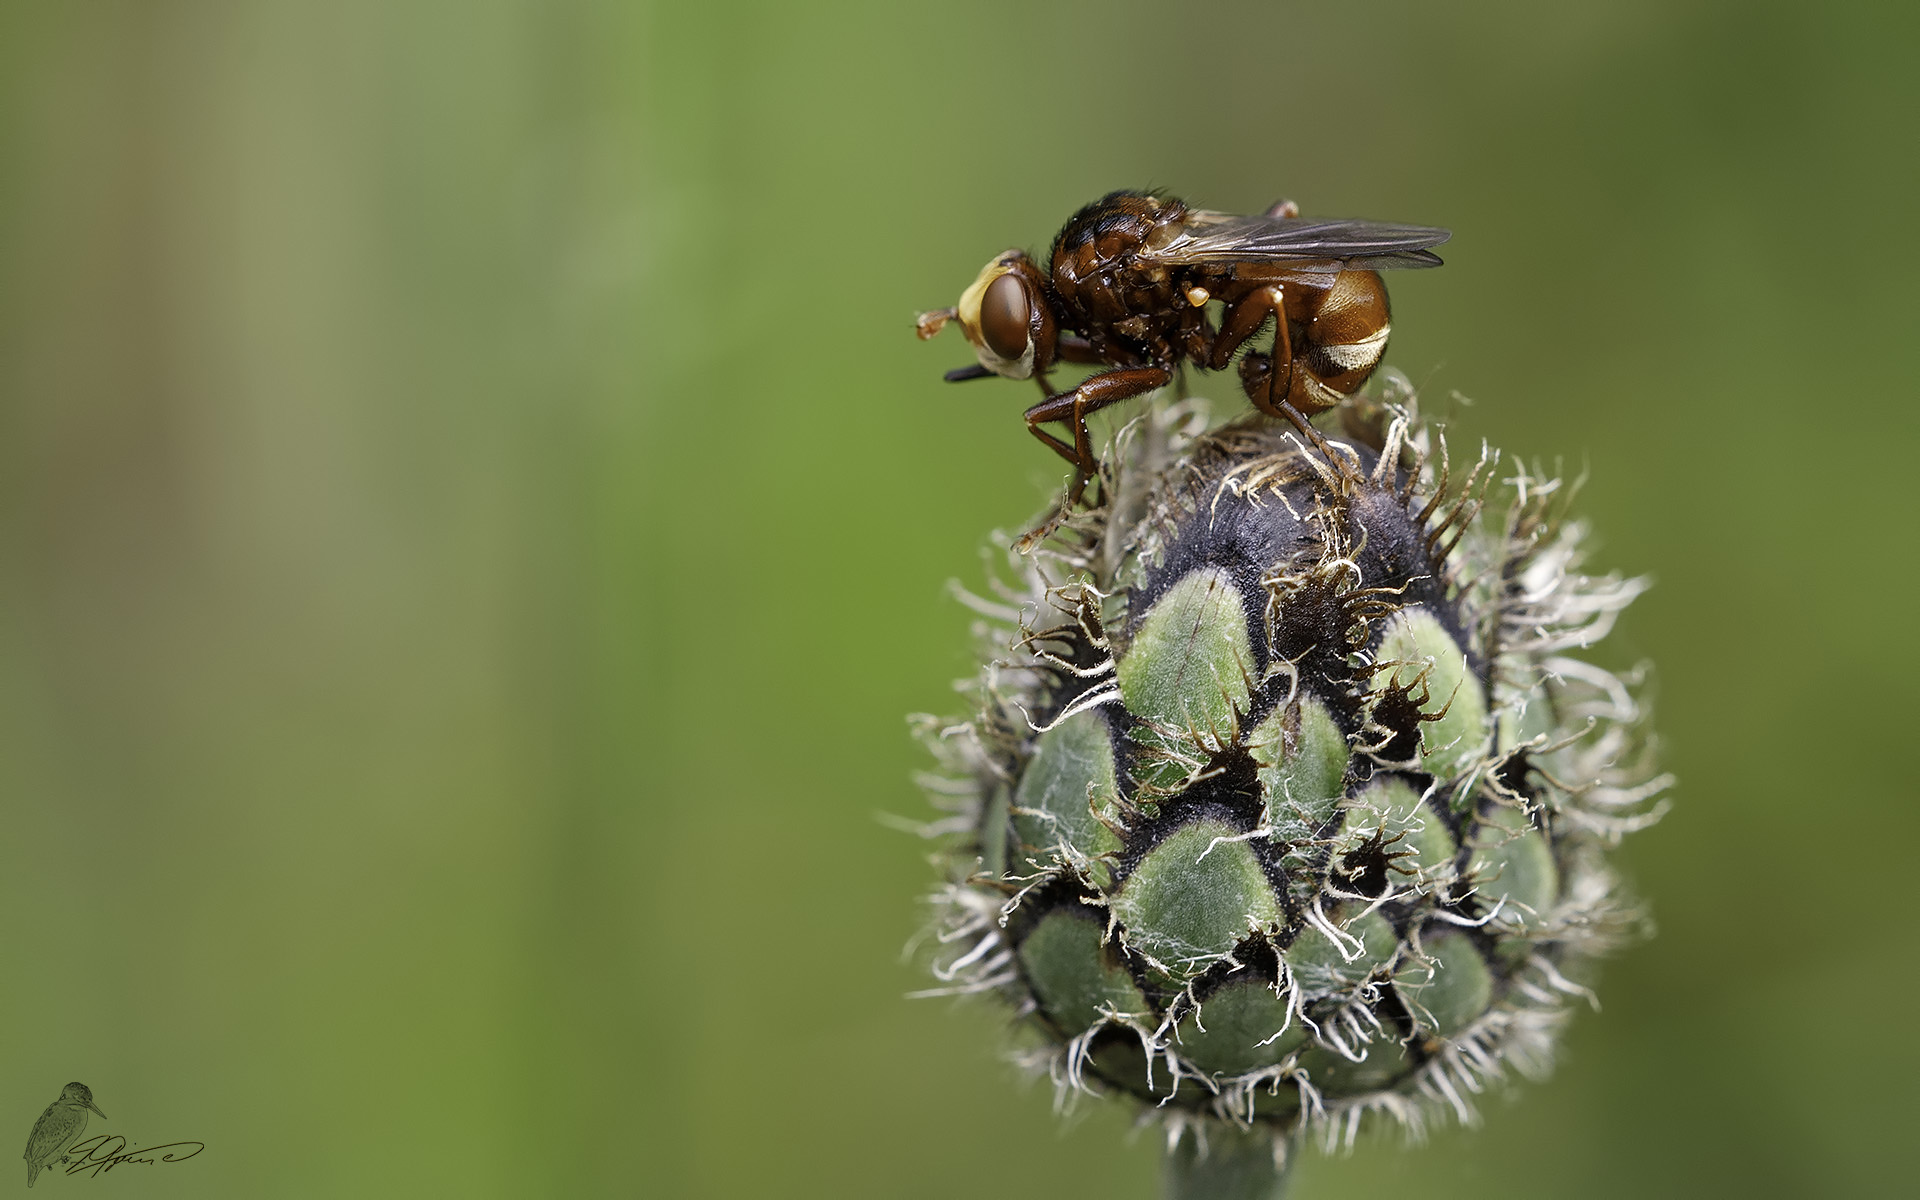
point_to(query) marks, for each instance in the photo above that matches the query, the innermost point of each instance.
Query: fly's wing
(1334, 244)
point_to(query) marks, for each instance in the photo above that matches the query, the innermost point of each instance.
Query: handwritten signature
(110, 1150)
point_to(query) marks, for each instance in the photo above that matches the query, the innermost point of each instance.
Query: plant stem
(1237, 1165)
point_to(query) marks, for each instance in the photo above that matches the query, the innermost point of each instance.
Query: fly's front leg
(1095, 393)
(1073, 408)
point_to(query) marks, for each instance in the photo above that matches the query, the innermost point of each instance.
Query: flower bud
(1284, 804)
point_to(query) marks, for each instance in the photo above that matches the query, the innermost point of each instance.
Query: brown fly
(1128, 288)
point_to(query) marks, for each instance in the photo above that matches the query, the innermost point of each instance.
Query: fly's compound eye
(1004, 315)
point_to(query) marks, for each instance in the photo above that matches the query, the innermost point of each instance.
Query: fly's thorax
(1103, 285)
(1116, 225)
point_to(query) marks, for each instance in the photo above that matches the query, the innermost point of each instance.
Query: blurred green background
(473, 515)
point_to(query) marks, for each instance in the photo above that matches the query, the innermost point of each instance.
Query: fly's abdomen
(1347, 335)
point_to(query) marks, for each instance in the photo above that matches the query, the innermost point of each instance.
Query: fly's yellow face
(997, 313)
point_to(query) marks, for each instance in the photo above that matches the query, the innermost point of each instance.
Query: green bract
(1283, 804)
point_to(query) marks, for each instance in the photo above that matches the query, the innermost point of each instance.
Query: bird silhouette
(59, 1127)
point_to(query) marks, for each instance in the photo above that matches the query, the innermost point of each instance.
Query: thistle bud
(1284, 803)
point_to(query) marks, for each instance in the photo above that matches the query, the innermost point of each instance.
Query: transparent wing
(1337, 242)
